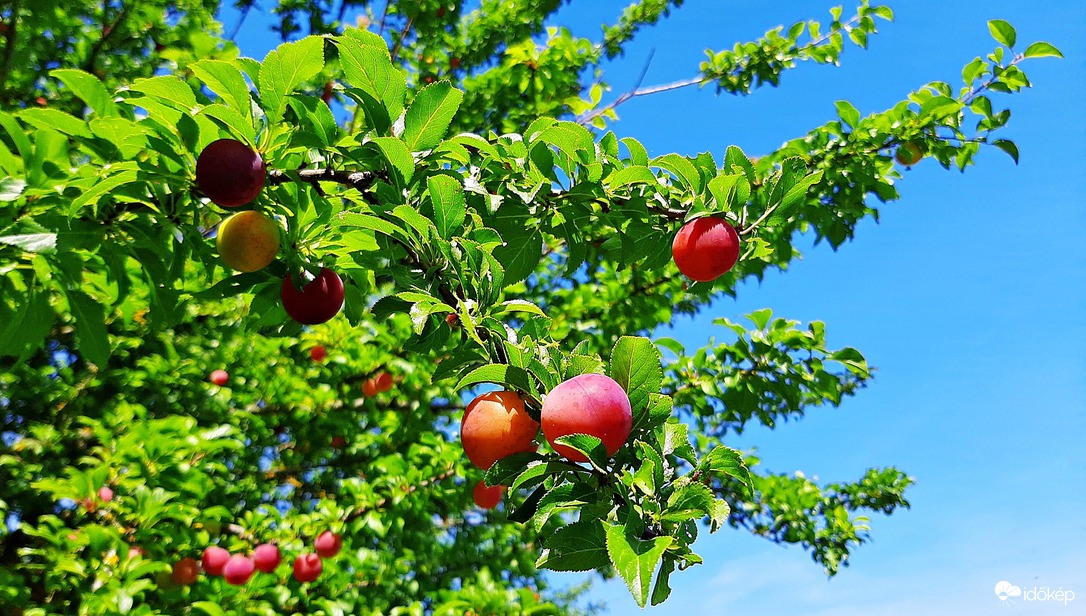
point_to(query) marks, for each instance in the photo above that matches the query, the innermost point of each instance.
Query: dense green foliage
(450, 190)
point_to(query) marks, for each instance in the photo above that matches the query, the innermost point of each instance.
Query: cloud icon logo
(1005, 590)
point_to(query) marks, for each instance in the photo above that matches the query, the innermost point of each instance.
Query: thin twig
(403, 35)
(384, 15)
(585, 119)
(754, 225)
(108, 32)
(241, 20)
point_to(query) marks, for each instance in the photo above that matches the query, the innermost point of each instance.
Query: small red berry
(266, 557)
(214, 560)
(185, 571)
(328, 544)
(486, 497)
(369, 388)
(384, 382)
(238, 570)
(307, 567)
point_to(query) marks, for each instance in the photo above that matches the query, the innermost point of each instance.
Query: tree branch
(107, 33)
(241, 20)
(403, 35)
(586, 118)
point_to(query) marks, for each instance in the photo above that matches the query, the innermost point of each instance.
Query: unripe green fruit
(909, 153)
(248, 241)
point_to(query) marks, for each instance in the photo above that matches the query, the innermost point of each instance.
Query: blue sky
(969, 297)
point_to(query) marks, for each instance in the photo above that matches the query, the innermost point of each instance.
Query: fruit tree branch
(360, 180)
(107, 32)
(588, 117)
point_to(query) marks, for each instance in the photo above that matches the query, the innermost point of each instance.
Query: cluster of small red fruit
(238, 569)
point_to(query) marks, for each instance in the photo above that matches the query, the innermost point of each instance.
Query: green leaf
(638, 154)
(448, 198)
(536, 473)
(635, 560)
(421, 224)
(719, 517)
(693, 500)
(682, 168)
(634, 174)
(798, 192)
(635, 365)
(672, 345)
(232, 119)
(367, 221)
(226, 80)
(44, 243)
(761, 318)
(677, 442)
(1002, 32)
(521, 256)
(90, 327)
(502, 374)
(727, 461)
(939, 106)
(1007, 146)
(661, 591)
(29, 326)
(583, 364)
(168, 90)
(589, 446)
(736, 160)
(11, 188)
(210, 608)
(848, 113)
(658, 411)
(380, 87)
(285, 68)
(18, 137)
(430, 115)
(104, 186)
(567, 497)
(89, 89)
(729, 191)
(398, 156)
(581, 546)
(518, 305)
(56, 120)
(1042, 49)
(525, 470)
(527, 509)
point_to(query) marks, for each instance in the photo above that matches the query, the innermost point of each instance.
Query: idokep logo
(1007, 592)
